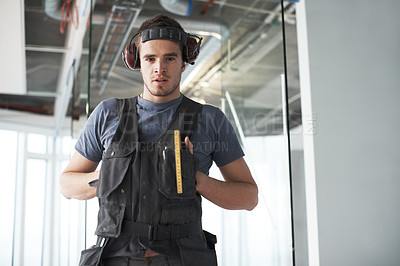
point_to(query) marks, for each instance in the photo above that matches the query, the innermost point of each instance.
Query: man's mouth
(161, 79)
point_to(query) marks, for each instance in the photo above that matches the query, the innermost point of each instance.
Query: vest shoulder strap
(128, 122)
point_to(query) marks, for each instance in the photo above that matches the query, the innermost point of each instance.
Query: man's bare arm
(74, 180)
(239, 191)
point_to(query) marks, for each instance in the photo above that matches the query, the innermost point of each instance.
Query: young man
(156, 151)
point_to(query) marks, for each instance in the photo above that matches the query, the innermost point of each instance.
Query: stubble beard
(162, 93)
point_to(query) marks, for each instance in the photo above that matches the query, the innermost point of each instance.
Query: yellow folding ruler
(177, 146)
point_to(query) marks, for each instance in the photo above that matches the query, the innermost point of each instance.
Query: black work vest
(138, 189)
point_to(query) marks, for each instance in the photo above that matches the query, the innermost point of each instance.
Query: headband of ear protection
(191, 44)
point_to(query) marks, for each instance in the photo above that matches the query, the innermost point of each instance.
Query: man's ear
(183, 66)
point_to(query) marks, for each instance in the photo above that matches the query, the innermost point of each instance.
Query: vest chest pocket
(114, 167)
(168, 180)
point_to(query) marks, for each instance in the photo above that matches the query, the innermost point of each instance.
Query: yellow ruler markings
(177, 144)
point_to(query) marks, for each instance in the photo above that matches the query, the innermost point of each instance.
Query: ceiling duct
(52, 8)
(178, 7)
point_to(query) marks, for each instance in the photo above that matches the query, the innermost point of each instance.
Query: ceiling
(241, 61)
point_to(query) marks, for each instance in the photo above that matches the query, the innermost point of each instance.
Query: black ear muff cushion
(192, 49)
(129, 57)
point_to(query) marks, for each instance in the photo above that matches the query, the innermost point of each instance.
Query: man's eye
(170, 59)
(149, 59)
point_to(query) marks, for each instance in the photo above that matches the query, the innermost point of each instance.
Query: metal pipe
(179, 7)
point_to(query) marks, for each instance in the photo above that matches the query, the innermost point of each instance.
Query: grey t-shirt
(214, 139)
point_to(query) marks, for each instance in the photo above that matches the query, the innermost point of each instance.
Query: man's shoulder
(105, 110)
(213, 121)
(211, 109)
(105, 105)
(109, 106)
(212, 113)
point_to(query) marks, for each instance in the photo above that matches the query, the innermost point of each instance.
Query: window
(34, 215)
(39, 226)
(8, 159)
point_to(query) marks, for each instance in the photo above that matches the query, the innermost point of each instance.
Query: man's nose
(160, 66)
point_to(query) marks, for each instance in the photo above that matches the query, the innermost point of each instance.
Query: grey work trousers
(134, 261)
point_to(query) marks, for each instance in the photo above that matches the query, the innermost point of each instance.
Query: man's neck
(160, 99)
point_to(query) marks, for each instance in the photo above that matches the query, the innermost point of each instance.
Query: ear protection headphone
(191, 44)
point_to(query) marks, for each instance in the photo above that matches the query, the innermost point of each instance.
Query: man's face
(161, 65)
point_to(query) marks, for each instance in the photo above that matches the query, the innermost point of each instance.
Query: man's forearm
(228, 195)
(76, 185)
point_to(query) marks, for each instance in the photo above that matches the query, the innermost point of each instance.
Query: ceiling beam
(70, 64)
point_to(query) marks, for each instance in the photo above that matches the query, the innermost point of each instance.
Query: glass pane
(37, 143)
(8, 159)
(298, 123)
(240, 69)
(79, 95)
(36, 171)
(251, 79)
(109, 77)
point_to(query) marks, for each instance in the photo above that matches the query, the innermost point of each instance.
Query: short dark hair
(158, 20)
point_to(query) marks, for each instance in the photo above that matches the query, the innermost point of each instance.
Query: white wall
(354, 64)
(12, 48)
